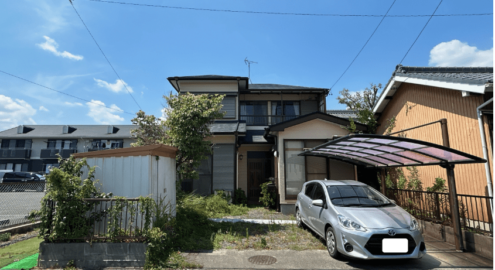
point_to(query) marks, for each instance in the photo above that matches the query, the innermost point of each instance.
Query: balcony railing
(103, 148)
(51, 153)
(265, 120)
(20, 153)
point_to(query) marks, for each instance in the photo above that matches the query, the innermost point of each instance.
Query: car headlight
(349, 224)
(414, 224)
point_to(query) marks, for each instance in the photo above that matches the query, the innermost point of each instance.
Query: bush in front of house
(4, 237)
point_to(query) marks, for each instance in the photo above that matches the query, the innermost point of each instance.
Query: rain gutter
(485, 149)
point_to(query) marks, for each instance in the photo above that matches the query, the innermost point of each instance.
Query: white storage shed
(136, 171)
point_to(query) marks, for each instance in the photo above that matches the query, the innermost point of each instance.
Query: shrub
(4, 237)
(240, 197)
(267, 198)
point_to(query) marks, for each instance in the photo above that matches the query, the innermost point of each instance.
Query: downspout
(236, 173)
(267, 135)
(485, 149)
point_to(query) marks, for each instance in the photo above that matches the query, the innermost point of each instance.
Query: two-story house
(264, 129)
(34, 148)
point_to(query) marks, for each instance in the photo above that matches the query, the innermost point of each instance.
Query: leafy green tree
(187, 128)
(150, 130)
(362, 103)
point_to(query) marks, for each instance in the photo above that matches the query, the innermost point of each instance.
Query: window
(284, 110)
(255, 113)
(309, 189)
(5, 144)
(300, 169)
(3, 166)
(51, 144)
(20, 143)
(228, 106)
(319, 193)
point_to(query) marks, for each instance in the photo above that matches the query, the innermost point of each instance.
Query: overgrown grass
(19, 251)
(214, 206)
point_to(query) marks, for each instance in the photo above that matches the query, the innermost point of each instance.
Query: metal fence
(17, 200)
(106, 219)
(474, 211)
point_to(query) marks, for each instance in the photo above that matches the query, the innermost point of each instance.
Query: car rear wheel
(331, 241)
(298, 219)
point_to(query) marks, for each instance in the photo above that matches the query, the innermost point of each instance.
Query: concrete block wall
(92, 256)
(473, 242)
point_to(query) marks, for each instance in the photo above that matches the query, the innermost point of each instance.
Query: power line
(421, 32)
(363, 46)
(60, 92)
(122, 81)
(285, 13)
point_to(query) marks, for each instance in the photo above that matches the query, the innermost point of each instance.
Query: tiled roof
(343, 114)
(271, 86)
(56, 131)
(450, 74)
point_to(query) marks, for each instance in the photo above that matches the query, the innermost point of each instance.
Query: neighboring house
(264, 129)
(346, 114)
(419, 95)
(34, 148)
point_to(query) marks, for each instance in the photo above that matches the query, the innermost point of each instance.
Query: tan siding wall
(415, 105)
(242, 165)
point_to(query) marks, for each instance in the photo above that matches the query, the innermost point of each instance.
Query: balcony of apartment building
(15, 149)
(265, 113)
(64, 148)
(98, 145)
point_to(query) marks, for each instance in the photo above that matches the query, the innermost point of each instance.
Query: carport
(380, 151)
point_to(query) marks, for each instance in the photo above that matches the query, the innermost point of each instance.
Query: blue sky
(44, 41)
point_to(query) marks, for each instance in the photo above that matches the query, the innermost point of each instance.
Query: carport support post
(454, 204)
(454, 208)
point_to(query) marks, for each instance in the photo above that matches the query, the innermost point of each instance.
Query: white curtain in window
(295, 173)
(67, 144)
(10, 166)
(296, 108)
(58, 144)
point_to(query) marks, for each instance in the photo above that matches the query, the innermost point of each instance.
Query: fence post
(454, 207)
(437, 207)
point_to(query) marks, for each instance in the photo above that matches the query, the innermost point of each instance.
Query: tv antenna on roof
(248, 63)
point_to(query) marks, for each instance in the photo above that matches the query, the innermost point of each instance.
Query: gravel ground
(19, 237)
(262, 213)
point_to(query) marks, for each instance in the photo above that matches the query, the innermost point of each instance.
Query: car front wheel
(298, 218)
(331, 241)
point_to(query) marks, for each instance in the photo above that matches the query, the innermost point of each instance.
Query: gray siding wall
(223, 167)
(229, 107)
(308, 106)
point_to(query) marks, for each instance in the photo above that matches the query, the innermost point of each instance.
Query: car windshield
(356, 195)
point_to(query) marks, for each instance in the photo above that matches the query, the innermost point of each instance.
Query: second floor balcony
(266, 120)
(15, 153)
(51, 153)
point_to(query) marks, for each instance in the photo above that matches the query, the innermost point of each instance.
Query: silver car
(358, 221)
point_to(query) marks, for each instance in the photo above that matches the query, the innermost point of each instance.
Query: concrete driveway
(440, 256)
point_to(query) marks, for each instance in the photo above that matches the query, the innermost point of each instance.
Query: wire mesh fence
(17, 200)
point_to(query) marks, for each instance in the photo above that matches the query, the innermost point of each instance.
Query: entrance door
(256, 177)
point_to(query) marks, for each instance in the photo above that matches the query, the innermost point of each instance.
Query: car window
(309, 189)
(8, 175)
(319, 193)
(356, 195)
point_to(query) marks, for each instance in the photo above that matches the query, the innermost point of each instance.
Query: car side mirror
(318, 203)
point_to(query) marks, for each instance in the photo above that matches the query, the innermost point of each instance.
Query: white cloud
(459, 54)
(42, 108)
(104, 115)
(51, 46)
(73, 104)
(15, 112)
(164, 114)
(116, 87)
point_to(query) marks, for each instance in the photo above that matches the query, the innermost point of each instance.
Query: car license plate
(394, 245)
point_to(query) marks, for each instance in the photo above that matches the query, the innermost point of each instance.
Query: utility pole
(248, 63)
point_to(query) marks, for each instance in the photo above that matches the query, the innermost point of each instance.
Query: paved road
(440, 256)
(15, 206)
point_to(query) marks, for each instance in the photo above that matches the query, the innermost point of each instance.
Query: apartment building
(34, 148)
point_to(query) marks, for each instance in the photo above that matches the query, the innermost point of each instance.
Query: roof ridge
(405, 69)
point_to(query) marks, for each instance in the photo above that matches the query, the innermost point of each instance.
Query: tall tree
(150, 130)
(363, 103)
(188, 126)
